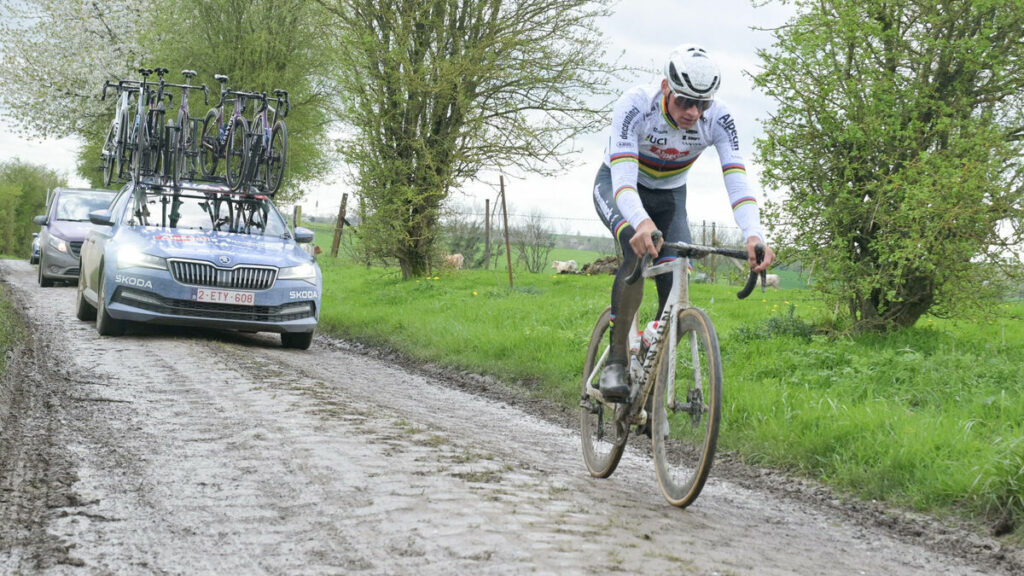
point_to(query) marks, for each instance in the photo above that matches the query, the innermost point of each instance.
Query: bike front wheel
(276, 156)
(210, 147)
(687, 410)
(237, 151)
(109, 154)
(603, 434)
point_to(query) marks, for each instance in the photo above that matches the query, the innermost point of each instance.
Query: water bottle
(650, 332)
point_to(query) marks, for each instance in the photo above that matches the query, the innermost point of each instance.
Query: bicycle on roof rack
(148, 135)
(116, 149)
(674, 398)
(213, 143)
(185, 131)
(261, 148)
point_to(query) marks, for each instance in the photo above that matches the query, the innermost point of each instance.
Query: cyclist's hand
(769, 255)
(641, 241)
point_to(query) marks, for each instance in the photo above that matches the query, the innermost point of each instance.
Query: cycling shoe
(613, 383)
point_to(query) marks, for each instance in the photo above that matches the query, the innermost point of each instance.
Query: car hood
(70, 230)
(223, 249)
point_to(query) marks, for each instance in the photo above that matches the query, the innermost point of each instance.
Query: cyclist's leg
(625, 298)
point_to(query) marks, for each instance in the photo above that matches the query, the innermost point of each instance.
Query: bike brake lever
(644, 262)
(752, 279)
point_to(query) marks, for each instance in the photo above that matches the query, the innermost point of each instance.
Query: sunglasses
(684, 103)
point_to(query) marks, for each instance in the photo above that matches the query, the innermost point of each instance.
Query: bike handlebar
(697, 251)
(120, 85)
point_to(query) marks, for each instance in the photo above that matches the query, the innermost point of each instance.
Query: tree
(532, 242)
(439, 89)
(58, 53)
(23, 190)
(898, 138)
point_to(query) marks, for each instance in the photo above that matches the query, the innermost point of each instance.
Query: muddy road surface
(170, 451)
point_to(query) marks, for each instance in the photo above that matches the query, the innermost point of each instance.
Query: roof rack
(205, 186)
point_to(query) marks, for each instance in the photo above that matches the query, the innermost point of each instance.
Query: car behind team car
(63, 228)
(200, 256)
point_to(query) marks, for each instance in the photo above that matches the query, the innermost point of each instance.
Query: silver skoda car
(198, 255)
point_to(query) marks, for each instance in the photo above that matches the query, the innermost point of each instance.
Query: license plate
(226, 297)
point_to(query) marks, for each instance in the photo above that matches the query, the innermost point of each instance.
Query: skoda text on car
(64, 226)
(198, 255)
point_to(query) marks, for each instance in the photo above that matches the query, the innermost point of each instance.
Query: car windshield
(75, 206)
(209, 211)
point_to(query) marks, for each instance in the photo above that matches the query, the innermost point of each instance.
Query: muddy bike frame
(654, 404)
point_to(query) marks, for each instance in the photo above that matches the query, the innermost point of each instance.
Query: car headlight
(305, 272)
(59, 244)
(134, 258)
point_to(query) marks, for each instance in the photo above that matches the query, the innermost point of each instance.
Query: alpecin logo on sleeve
(727, 123)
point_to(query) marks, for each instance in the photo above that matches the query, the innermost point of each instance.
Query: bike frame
(642, 379)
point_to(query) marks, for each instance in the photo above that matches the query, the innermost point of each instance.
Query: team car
(64, 226)
(198, 255)
(34, 258)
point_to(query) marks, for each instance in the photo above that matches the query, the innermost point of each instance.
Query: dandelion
(437, 277)
(474, 292)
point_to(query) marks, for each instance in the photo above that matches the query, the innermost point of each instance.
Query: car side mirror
(303, 235)
(40, 220)
(101, 217)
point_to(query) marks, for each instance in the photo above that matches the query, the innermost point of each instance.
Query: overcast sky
(646, 30)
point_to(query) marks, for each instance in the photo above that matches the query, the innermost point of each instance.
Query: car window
(200, 212)
(75, 206)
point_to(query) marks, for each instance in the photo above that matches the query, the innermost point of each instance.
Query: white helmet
(692, 73)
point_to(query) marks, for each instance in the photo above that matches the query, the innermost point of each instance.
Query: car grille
(190, 308)
(76, 248)
(193, 273)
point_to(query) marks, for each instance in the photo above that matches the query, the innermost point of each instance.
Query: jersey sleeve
(745, 210)
(623, 155)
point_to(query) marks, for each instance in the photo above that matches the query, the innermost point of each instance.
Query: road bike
(214, 141)
(674, 398)
(148, 134)
(260, 148)
(185, 152)
(115, 152)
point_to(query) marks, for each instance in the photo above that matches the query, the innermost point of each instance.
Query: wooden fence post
(338, 226)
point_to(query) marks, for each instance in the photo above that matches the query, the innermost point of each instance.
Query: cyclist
(658, 132)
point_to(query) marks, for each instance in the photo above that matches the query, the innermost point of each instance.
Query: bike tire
(687, 415)
(603, 436)
(141, 152)
(276, 157)
(109, 152)
(121, 148)
(237, 151)
(210, 150)
(180, 131)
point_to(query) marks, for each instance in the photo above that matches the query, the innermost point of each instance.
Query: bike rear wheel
(209, 145)
(109, 155)
(688, 410)
(603, 436)
(182, 148)
(237, 151)
(276, 156)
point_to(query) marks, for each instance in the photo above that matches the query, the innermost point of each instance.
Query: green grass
(931, 417)
(11, 329)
